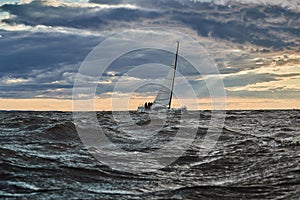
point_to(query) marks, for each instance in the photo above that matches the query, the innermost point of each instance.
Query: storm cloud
(267, 26)
(42, 44)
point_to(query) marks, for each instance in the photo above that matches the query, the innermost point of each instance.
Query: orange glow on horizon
(37, 104)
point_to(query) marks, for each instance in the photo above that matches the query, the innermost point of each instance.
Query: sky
(254, 44)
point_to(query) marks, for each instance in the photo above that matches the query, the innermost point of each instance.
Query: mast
(175, 65)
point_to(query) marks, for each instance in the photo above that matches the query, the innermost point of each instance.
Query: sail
(164, 96)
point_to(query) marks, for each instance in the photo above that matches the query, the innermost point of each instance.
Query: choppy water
(257, 156)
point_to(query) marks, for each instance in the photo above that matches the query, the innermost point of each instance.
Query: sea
(255, 156)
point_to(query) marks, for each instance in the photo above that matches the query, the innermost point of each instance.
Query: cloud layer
(44, 42)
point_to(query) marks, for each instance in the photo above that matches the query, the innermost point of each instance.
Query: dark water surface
(257, 157)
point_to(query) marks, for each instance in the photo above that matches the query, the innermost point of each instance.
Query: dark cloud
(37, 13)
(248, 79)
(151, 56)
(267, 26)
(241, 80)
(34, 90)
(24, 51)
(42, 58)
(241, 25)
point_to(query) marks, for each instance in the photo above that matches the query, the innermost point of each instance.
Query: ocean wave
(255, 157)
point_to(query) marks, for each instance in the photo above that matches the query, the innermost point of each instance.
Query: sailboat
(163, 100)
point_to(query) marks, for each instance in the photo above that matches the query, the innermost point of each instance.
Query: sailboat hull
(142, 109)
